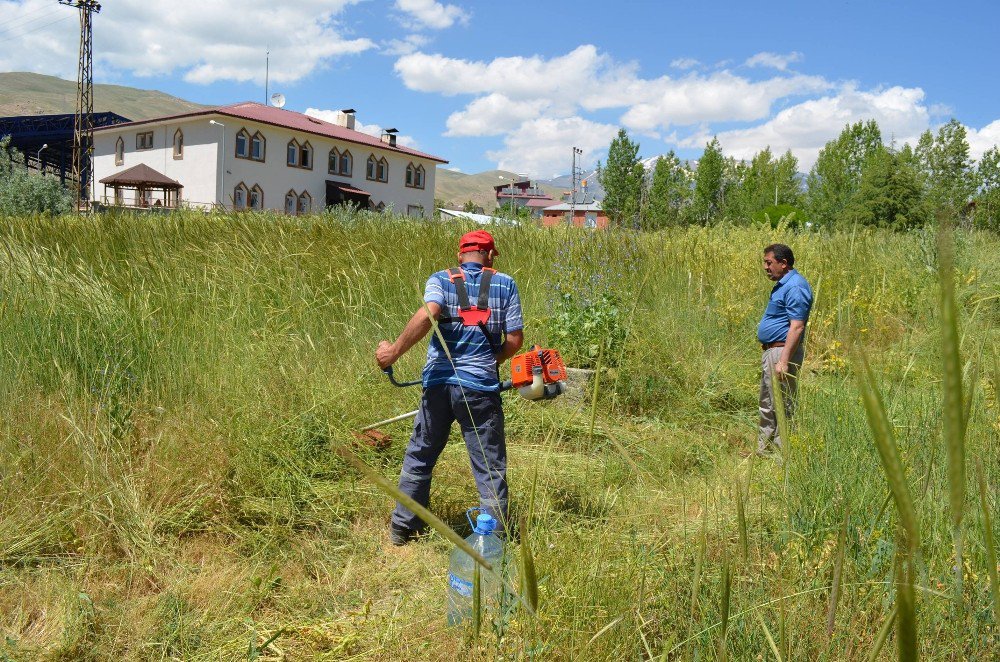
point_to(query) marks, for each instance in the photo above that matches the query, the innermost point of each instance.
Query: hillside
(23, 93)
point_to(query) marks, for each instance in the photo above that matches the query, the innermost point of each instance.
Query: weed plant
(173, 391)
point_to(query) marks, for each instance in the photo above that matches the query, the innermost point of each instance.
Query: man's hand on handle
(385, 355)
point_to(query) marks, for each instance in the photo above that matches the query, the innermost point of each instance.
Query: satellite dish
(278, 100)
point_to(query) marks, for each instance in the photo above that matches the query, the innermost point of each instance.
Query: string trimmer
(537, 374)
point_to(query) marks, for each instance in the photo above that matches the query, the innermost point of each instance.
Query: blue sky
(518, 84)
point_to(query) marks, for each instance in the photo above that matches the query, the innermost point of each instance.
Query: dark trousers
(480, 416)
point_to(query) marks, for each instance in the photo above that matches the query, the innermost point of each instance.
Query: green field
(172, 391)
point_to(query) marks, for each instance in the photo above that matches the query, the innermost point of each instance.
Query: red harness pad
(474, 316)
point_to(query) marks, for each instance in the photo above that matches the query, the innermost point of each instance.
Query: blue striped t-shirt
(474, 363)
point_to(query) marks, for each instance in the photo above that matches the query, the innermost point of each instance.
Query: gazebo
(152, 189)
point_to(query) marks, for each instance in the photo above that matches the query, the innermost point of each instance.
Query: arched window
(258, 146)
(240, 196)
(333, 165)
(293, 153)
(256, 197)
(242, 144)
(306, 156)
(410, 173)
(346, 163)
(418, 177)
(305, 203)
(372, 167)
(119, 152)
(290, 200)
(178, 144)
(383, 170)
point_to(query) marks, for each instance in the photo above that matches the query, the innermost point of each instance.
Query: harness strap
(457, 278)
(484, 288)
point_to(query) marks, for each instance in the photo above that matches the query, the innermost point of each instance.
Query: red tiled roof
(141, 174)
(540, 202)
(347, 188)
(288, 119)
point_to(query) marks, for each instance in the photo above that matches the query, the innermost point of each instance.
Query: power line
(11, 26)
(27, 14)
(40, 27)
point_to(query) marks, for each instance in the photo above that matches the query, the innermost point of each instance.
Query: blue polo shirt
(474, 363)
(791, 299)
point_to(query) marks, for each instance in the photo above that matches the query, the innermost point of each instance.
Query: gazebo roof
(142, 175)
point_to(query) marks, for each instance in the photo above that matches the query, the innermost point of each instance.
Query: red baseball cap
(477, 240)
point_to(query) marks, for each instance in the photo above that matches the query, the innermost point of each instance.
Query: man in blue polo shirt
(781, 333)
(461, 384)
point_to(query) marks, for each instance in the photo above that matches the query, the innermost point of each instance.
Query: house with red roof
(523, 194)
(253, 156)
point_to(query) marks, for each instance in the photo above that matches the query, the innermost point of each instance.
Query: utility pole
(572, 196)
(83, 124)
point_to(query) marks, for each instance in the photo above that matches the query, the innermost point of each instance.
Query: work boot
(400, 535)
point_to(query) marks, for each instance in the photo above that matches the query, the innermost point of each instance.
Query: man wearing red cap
(464, 386)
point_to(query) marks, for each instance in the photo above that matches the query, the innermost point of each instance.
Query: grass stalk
(838, 573)
(883, 634)
(991, 551)
(726, 586)
(529, 580)
(767, 635)
(954, 414)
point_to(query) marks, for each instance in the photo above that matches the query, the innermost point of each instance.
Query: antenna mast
(83, 125)
(267, 72)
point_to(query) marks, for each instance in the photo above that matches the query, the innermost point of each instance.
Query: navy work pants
(480, 415)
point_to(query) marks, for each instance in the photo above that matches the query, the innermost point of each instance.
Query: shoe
(400, 535)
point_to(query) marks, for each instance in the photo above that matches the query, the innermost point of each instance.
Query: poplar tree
(622, 180)
(669, 192)
(836, 176)
(708, 182)
(987, 211)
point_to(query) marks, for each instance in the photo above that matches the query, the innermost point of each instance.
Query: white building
(253, 156)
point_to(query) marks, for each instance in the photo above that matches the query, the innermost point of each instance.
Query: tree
(987, 209)
(836, 176)
(25, 193)
(622, 179)
(669, 193)
(949, 172)
(708, 182)
(889, 194)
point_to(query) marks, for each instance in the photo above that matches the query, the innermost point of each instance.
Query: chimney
(389, 137)
(345, 118)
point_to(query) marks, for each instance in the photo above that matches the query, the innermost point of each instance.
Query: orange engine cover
(522, 366)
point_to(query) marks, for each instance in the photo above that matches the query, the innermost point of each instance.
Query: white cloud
(543, 147)
(431, 14)
(370, 129)
(806, 127)
(685, 63)
(406, 45)
(493, 115)
(204, 41)
(983, 139)
(773, 60)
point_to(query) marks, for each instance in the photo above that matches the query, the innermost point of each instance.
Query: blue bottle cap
(485, 524)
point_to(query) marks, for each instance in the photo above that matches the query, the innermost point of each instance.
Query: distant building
(253, 156)
(523, 194)
(582, 215)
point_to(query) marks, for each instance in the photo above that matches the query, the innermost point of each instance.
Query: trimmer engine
(538, 374)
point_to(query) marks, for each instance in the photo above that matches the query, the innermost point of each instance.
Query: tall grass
(170, 392)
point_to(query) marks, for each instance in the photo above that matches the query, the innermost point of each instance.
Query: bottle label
(459, 585)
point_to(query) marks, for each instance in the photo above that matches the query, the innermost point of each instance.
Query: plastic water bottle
(461, 568)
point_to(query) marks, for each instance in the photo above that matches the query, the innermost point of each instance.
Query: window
(290, 199)
(306, 156)
(372, 166)
(144, 140)
(305, 203)
(333, 166)
(256, 197)
(178, 144)
(119, 152)
(416, 211)
(243, 144)
(240, 196)
(346, 164)
(380, 207)
(383, 170)
(414, 176)
(258, 146)
(293, 153)
(590, 220)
